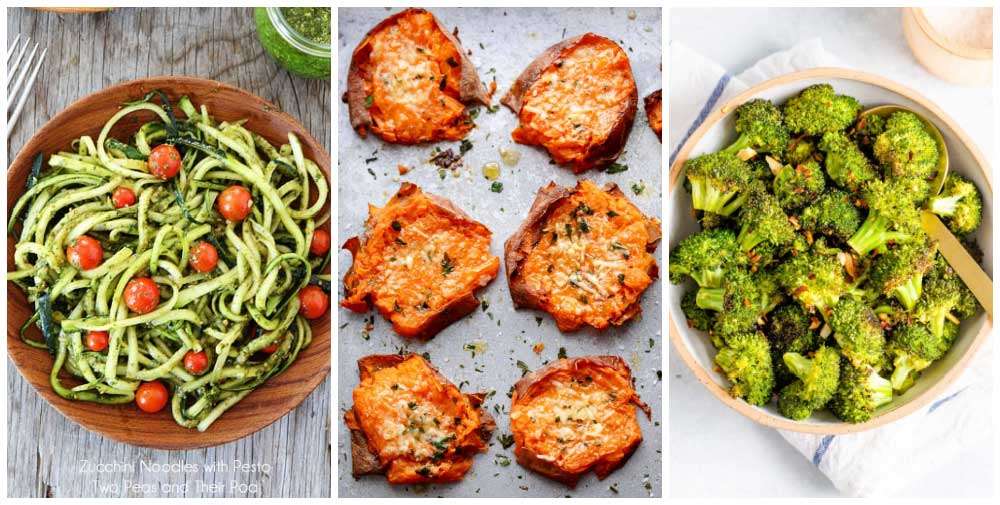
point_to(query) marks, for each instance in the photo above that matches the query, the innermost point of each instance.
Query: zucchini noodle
(247, 303)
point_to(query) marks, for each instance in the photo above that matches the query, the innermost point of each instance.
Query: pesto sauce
(288, 56)
(312, 23)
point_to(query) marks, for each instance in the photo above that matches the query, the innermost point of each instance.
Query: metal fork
(19, 68)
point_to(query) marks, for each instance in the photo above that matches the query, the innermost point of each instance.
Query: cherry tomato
(151, 396)
(123, 197)
(196, 362)
(142, 295)
(164, 161)
(270, 348)
(85, 253)
(314, 302)
(320, 243)
(234, 203)
(204, 257)
(97, 341)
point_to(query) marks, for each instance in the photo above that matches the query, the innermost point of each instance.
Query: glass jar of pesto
(297, 37)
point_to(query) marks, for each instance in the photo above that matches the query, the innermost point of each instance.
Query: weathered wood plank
(46, 452)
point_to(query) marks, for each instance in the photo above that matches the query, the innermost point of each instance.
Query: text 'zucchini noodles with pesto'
(182, 265)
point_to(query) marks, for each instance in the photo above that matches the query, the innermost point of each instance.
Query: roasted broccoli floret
(861, 390)
(763, 221)
(942, 295)
(697, 317)
(815, 279)
(817, 110)
(718, 181)
(906, 148)
(760, 128)
(746, 361)
(740, 302)
(704, 257)
(833, 214)
(797, 185)
(800, 150)
(869, 127)
(900, 271)
(846, 165)
(858, 332)
(913, 348)
(711, 221)
(817, 382)
(959, 204)
(968, 305)
(892, 216)
(791, 329)
(760, 170)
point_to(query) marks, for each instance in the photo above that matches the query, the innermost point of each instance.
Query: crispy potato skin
(598, 390)
(583, 255)
(410, 80)
(577, 100)
(398, 390)
(654, 112)
(419, 263)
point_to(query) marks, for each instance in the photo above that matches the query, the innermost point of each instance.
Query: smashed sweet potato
(410, 80)
(419, 263)
(576, 415)
(654, 112)
(412, 424)
(583, 255)
(577, 100)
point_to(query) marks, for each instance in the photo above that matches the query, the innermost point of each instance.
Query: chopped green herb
(506, 440)
(465, 146)
(496, 187)
(369, 100)
(562, 353)
(447, 266)
(524, 367)
(638, 187)
(615, 168)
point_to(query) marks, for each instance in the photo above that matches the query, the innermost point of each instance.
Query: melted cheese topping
(417, 259)
(577, 102)
(591, 264)
(575, 420)
(422, 426)
(412, 77)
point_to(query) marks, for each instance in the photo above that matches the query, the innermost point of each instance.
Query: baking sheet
(503, 41)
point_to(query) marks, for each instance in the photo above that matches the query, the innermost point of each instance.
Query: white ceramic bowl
(717, 132)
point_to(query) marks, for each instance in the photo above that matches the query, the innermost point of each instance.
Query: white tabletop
(707, 438)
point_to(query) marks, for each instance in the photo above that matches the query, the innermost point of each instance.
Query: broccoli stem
(937, 319)
(742, 142)
(881, 389)
(909, 292)
(903, 366)
(797, 364)
(945, 205)
(874, 233)
(710, 299)
(747, 239)
(705, 196)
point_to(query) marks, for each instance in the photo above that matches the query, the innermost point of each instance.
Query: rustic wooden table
(49, 455)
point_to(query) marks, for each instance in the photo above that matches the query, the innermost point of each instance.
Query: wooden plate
(716, 132)
(126, 423)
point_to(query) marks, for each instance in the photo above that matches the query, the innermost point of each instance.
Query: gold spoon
(953, 251)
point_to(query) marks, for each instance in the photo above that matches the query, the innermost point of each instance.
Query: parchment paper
(503, 41)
